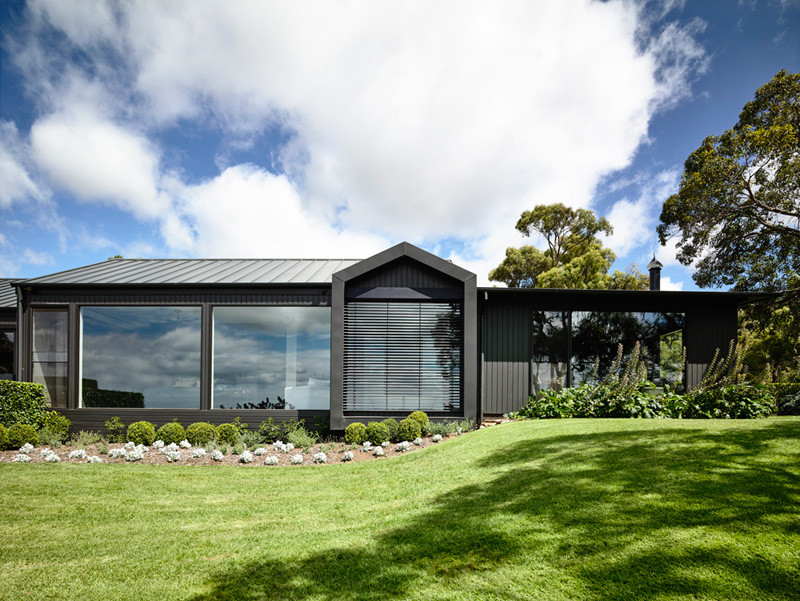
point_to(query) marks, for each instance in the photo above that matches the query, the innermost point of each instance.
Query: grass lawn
(561, 509)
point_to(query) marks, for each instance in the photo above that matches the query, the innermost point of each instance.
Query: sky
(320, 129)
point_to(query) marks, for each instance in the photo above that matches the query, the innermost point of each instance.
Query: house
(338, 340)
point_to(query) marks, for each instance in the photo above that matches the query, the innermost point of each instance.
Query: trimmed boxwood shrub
(19, 434)
(22, 403)
(227, 434)
(200, 434)
(377, 433)
(355, 433)
(142, 432)
(56, 423)
(3, 438)
(392, 425)
(409, 429)
(422, 418)
(171, 432)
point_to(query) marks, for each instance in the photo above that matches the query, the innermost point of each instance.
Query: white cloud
(17, 183)
(37, 258)
(668, 284)
(409, 120)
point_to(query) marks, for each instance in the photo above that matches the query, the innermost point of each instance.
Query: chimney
(655, 274)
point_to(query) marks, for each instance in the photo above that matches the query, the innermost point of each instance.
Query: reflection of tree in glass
(549, 349)
(671, 359)
(6, 354)
(448, 335)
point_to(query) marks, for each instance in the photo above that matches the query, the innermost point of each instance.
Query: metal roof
(8, 296)
(116, 272)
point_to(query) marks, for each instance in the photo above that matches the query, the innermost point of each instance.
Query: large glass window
(140, 357)
(596, 336)
(272, 357)
(6, 353)
(50, 327)
(549, 345)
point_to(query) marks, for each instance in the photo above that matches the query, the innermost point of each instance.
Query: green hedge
(22, 403)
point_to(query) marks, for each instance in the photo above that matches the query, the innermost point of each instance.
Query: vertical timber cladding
(403, 337)
(506, 344)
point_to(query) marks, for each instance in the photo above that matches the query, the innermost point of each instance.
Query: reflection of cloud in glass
(151, 350)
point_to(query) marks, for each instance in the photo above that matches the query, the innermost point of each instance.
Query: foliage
(355, 433)
(57, 424)
(141, 433)
(116, 429)
(22, 403)
(409, 429)
(377, 433)
(787, 398)
(201, 433)
(250, 439)
(769, 334)
(21, 434)
(269, 430)
(442, 428)
(238, 449)
(171, 432)
(227, 434)
(734, 401)
(3, 438)
(574, 257)
(723, 372)
(737, 212)
(83, 439)
(301, 438)
(241, 427)
(422, 418)
(392, 425)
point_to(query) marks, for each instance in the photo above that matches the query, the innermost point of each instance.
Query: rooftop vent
(655, 274)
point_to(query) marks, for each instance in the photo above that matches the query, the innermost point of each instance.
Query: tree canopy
(737, 212)
(574, 257)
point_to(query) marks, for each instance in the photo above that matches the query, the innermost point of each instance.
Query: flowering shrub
(378, 452)
(297, 459)
(93, 459)
(197, 453)
(403, 446)
(185, 444)
(173, 456)
(170, 448)
(50, 456)
(436, 437)
(283, 447)
(418, 441)
(22, 458)
(260, 451)
(78, 454)
(385, 444)
(366, 447)
(272, 460)
(27, 448)
(246, 457)
(159, 444)
(116, 453)
(217, 455)
(136, 454)
(130, 445)
(348, 456)
(320, 458)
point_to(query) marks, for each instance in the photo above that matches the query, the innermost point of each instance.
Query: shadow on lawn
(637, 515)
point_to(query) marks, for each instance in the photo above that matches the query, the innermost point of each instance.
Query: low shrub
(377, 433)
(171, 432)
(787, 398)
(22, 403)
(227, 434)
(355, 433)
(392, 425)
(301, 438)
(442, 428)
(735, 401)
(422, 418)
(201, 433)
(3, 438)
(269, 431)
(21, 434)
(291, 425)
(251, 439)
(142, 432)
(56, 423)
(409, 429)
(83, 439)
(116, 429)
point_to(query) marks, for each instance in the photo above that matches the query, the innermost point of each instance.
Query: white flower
(378, 452)
(130, 445)
(320, 458)
(173, 456)
(436, 437)
(246, 457)
(78, 454)
(260, 451)
(365, 448)
(272, 460)
(196, 453)
(116, 453)
(26, 449)
(217, 455)
(93, 459)
(134, 455)
(297, 459)
(404, 446)
(459, 430)
(185, 444)
(22, 458)
(52, 458)
(385, 444)
(277, 445)
(158, 444)
(289, 447)
(418, 441)
(348, 456)
(170, 448)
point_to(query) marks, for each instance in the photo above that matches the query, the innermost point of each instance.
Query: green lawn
(569, 509)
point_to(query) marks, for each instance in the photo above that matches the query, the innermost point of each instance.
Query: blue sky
(336, 129)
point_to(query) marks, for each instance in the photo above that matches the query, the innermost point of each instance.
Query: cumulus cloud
(18, 184)
(401, 120)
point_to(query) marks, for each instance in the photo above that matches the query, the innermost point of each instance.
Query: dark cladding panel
(706, 331)
(408, 273)
(506, 357)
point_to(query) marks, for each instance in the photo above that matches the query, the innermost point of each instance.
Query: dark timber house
(338, 340)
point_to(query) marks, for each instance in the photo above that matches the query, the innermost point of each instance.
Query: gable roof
(8, 296)
(117, 272)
